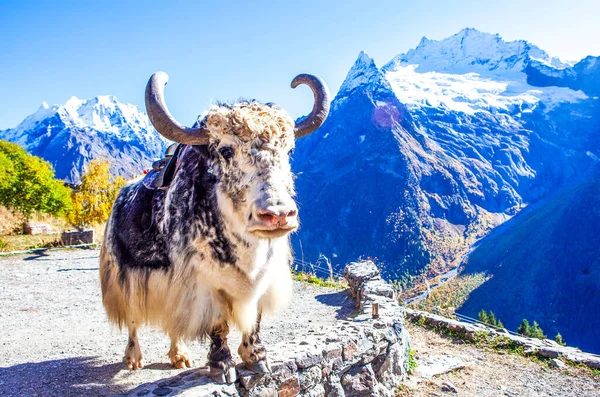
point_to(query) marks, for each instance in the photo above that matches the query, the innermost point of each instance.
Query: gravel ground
(490, 372)
(55, 340)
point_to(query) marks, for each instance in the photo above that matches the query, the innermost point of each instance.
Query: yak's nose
(277, 216)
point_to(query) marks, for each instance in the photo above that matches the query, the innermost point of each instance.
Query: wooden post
(375, 307)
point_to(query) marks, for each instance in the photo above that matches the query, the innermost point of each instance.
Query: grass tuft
(313, 279)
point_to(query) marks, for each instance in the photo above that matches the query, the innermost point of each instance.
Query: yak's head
(250, 145)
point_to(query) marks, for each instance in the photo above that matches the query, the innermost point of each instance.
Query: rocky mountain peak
(363, 72)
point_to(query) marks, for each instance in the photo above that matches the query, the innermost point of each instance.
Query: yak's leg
(178, 353)
(133, 352)
(253, 352)
(222, 366)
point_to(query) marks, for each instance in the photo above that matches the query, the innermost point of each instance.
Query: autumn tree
(94, 197)
(27, 183)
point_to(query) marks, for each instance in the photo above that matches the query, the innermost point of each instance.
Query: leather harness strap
(163, 170)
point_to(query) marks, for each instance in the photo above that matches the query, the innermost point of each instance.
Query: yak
(211, 248)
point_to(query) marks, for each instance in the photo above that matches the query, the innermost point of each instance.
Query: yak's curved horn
(162, 119)
(320, 109)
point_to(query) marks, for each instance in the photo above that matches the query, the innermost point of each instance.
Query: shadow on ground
(78, 269)
(37, 254)
(344, 303)
(78, 376)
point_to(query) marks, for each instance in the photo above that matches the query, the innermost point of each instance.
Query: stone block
(34, 228)
(76, 237)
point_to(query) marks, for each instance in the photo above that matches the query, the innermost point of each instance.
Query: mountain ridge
(548, 248)
(473, 150)
(72, 134)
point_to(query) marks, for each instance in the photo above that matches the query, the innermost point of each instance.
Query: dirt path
(55, 340)
(490, 372)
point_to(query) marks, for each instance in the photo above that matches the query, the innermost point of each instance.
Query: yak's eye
(226, 152)
(291, 152)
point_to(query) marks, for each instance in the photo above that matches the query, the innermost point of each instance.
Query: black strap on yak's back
(163, 170)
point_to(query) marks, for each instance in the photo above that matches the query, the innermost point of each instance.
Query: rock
(556, 363)
(290, 387)
(447, 386)
(365, 345)
(332, 351)
(283, 369)
(390, 367)
(308, 359)
(592, 362)
(529, 350)
(334, 387)
(349, 351)
(74, 237)
(247, 378)
(547, 353)
(317, 391)
(263, 392)
(436, 365)
(380, 288)
(310, 377)
(36, 228)
(359, 381)
(358, 272)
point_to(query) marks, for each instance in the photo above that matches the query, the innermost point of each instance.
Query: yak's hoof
(258, 367)
(133, 357)
(132, 364)
(180, 359)
(223, 375)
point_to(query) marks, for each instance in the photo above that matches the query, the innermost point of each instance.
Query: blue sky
(222, 50)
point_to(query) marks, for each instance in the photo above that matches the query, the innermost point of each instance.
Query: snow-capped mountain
(70, 135)
(471, 51)
(421, 157)
(474, 71)
(442, 143)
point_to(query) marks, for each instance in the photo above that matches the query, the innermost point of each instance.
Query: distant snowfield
(102, 113)
(471, 92)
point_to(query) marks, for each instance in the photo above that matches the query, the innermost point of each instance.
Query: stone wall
(358, 356)
(543, 348)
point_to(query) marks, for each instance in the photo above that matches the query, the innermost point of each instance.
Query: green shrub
(412, 362)
(27, 183)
